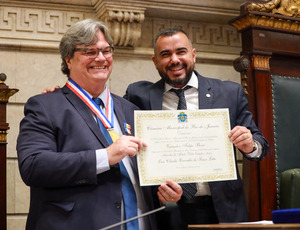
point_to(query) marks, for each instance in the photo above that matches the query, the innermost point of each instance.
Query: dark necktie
(189, 189)
(181, 101)
(129, 197)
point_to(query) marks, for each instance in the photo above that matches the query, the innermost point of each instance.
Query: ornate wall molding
(36, 21)
(25, 27)
(214, 34)
(39, 26)
(205, 34)
(124, 21)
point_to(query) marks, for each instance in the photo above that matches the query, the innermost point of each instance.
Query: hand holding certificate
(185, 146)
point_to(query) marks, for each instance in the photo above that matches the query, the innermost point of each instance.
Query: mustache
(176, 65)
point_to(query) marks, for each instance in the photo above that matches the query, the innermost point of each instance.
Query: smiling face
(91, 73)
(174, 59)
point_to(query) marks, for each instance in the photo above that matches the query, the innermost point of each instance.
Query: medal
(108, 118)
(113, 134)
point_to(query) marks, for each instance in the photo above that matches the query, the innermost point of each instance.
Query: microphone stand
(168, 205)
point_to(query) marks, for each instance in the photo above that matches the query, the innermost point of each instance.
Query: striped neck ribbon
(108, 118)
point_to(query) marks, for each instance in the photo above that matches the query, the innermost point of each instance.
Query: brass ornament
(3, 134)
(289, 8)
(268, 21)
(261, 62)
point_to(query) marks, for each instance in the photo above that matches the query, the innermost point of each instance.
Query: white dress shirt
(170, 102)
(102, 165)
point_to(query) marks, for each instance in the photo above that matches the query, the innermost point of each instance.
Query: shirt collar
(193, 82)
(102, 96)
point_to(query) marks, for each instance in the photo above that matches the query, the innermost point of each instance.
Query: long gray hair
(82, 33)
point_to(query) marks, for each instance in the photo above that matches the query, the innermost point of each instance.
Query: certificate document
(185, 146)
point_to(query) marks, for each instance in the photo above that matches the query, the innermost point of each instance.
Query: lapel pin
(127, 128)
(207, 95)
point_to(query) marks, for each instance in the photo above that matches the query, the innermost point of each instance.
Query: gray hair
(83, 33)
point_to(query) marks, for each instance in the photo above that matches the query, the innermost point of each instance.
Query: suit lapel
(121, 119)
(85, 113)
(156, 95)
(205, 93)
(119, 113)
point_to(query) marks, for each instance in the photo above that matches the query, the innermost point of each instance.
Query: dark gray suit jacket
(228, 196)
(56, 153)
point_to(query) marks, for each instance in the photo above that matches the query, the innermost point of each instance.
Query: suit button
(118, 204)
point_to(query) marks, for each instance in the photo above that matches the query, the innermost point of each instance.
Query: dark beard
(178, 82)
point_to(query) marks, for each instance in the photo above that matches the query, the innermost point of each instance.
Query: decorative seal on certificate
(182, 117)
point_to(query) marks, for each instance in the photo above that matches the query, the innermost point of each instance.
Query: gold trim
(289, 8)
(269, 21)
(6, 93)
(261, 62)
(3, 135)
(244, 80)
(162, 121)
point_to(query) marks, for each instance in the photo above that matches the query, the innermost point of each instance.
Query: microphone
(167, 206)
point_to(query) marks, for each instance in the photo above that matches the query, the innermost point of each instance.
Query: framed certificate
(185, 146)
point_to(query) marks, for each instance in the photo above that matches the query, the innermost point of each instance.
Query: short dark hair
(169, 32)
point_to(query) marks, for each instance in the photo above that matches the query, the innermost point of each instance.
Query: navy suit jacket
(56, 153)
(228, 196)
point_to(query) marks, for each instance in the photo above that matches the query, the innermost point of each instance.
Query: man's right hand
(169, 192)
(124, 146)
(50, 89)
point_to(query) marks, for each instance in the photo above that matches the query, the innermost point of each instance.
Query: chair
(270, 73)
(290, 189)
(286, 119)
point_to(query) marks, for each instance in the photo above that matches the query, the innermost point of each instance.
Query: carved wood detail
(289, 8)
(266, 20)
(261, 62)
(5, 93)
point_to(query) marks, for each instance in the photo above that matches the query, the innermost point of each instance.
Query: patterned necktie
(189, 189)
(181, 101)
(129, 197)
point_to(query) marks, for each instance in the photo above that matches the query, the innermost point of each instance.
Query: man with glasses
(75, 148)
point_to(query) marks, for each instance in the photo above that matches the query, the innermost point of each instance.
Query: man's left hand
(242, 138)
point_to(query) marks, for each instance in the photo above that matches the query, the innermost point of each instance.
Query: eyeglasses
(107, 51)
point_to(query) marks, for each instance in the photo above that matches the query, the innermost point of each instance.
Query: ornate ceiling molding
(38, 25)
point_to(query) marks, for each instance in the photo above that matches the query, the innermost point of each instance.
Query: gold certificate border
(223, 114)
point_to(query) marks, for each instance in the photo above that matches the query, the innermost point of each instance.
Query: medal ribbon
(108, 119)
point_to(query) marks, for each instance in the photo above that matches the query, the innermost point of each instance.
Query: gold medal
(113, 134)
